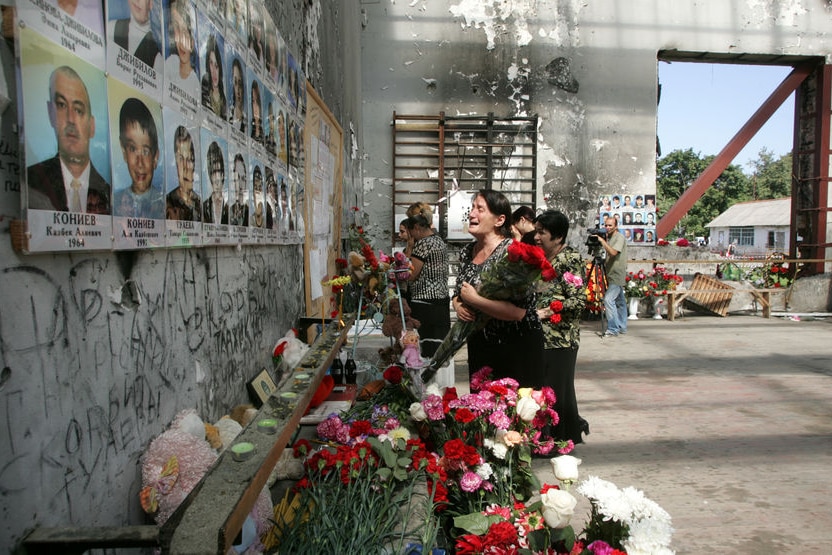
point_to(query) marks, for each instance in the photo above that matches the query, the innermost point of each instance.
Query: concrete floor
(724, 422)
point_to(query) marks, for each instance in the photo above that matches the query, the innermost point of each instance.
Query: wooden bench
(716, 298)
(213, 513)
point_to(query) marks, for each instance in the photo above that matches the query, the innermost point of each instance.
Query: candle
(242, 451)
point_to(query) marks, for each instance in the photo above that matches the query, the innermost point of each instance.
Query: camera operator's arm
(610, 251)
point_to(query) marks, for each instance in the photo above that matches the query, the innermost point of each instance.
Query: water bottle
(337, 370)
(349, 371)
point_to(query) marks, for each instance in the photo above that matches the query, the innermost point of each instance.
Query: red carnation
(464, 415)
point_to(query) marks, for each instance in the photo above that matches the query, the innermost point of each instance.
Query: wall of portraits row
(635, 214)
(166, 123)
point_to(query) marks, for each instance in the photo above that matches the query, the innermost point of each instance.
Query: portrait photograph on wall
(66, 153)
(215, 173)
(134, 44)
(182, 67)
(137, 161)
(78, 25)
(183, 182)
(635, 214)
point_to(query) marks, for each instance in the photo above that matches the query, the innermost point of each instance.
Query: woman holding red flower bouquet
(511, 340)
(560, 304)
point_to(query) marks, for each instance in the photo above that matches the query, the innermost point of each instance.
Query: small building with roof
(755, 228)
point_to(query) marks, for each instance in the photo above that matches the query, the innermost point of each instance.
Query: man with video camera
(615, 303)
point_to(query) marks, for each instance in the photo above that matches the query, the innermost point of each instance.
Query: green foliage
(771, 176)
(676, 172)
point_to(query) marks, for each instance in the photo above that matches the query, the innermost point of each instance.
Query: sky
(703, 106)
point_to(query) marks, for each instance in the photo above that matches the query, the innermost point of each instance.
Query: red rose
(555, 318)
(548, 274)
(393, 374)
(556, 306)
(279, 348)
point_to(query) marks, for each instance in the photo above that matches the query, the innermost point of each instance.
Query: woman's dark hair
(419, 220)
(498, 205)
(555, 222)
(522, 212)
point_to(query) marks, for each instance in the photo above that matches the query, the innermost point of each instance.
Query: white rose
(566, 468)
(417, 412)
(558, 507)
(527, 408)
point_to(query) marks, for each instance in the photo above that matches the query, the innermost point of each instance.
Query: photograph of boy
(139, 142)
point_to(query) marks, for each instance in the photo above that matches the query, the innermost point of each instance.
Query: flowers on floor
(509, 278)
(625, 520)
(444, 473)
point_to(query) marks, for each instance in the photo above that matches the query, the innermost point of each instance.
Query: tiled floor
(724, 422)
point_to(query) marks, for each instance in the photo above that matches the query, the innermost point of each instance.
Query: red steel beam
(730, 151)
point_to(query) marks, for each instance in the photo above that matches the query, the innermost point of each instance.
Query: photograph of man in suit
(215, 209)
(239, 210)
(68, 181)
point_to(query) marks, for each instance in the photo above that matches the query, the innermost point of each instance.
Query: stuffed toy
(175, 461)
(355, 267)
(411, 352)
(243, 414)
(173, 464)
(400, 268)
(288, 352)
(391, 326)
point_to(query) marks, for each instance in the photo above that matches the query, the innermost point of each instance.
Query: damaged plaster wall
(101, 350)
(588, 69)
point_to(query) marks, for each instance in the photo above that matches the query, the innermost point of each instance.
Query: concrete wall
(588, 69)
(87, 380)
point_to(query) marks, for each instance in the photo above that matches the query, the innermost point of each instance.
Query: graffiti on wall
(89, 378)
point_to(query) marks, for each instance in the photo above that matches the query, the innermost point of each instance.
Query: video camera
(593, 234)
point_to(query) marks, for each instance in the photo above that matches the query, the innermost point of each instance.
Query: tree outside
(676, 172)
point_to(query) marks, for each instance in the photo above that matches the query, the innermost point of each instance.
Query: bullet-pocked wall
(587, 69)
(101, 350)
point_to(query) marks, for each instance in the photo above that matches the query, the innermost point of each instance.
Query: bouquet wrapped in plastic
(510, 278)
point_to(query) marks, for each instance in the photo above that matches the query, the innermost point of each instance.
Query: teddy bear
(391, 326)
(411, 352)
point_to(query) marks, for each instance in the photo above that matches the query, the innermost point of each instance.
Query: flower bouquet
(661, 281)
(637, 285)
(508, 279)
(774, 274)
(623, 520)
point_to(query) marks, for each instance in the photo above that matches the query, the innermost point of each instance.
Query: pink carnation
(470, 482)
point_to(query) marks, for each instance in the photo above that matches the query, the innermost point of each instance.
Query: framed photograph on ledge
(261, 387)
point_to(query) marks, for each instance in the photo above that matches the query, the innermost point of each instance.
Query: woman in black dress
(511, 343)
(560, 305)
